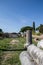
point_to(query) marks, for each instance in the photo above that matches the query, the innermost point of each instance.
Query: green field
(11, 57)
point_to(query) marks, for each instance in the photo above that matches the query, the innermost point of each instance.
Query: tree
(23, 29)
(40, 28)
(1, 34)
(1, 31)
(33, 26)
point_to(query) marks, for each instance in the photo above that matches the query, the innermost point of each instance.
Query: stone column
(29, 37)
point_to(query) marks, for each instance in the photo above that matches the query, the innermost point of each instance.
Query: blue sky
(15, 14)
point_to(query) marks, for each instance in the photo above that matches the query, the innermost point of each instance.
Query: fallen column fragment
(26, 59)
(36, 54)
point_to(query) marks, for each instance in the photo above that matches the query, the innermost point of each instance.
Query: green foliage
(35, 43)
(23, 29)
(33, 26)
(1, 34)
(40, 28)
(4, 44)
(38, 33)
(37, 28)
(33, 33)
(1, 31)
(11, 57)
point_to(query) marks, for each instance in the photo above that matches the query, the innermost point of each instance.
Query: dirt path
(37, 38)
(14, 41)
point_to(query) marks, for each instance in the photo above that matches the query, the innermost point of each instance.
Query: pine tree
(33, 26)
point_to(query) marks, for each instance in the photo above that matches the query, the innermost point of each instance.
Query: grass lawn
(11, 57)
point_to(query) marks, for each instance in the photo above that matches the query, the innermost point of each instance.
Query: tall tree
(33, 26)
(40, 28)
(1, 34)
(23, 29)
(1, 31)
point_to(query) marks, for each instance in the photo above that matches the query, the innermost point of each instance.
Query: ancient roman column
(29, 37)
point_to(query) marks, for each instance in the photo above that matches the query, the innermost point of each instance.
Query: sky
(15, 14)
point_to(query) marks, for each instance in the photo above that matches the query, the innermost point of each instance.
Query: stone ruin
(34, 54)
